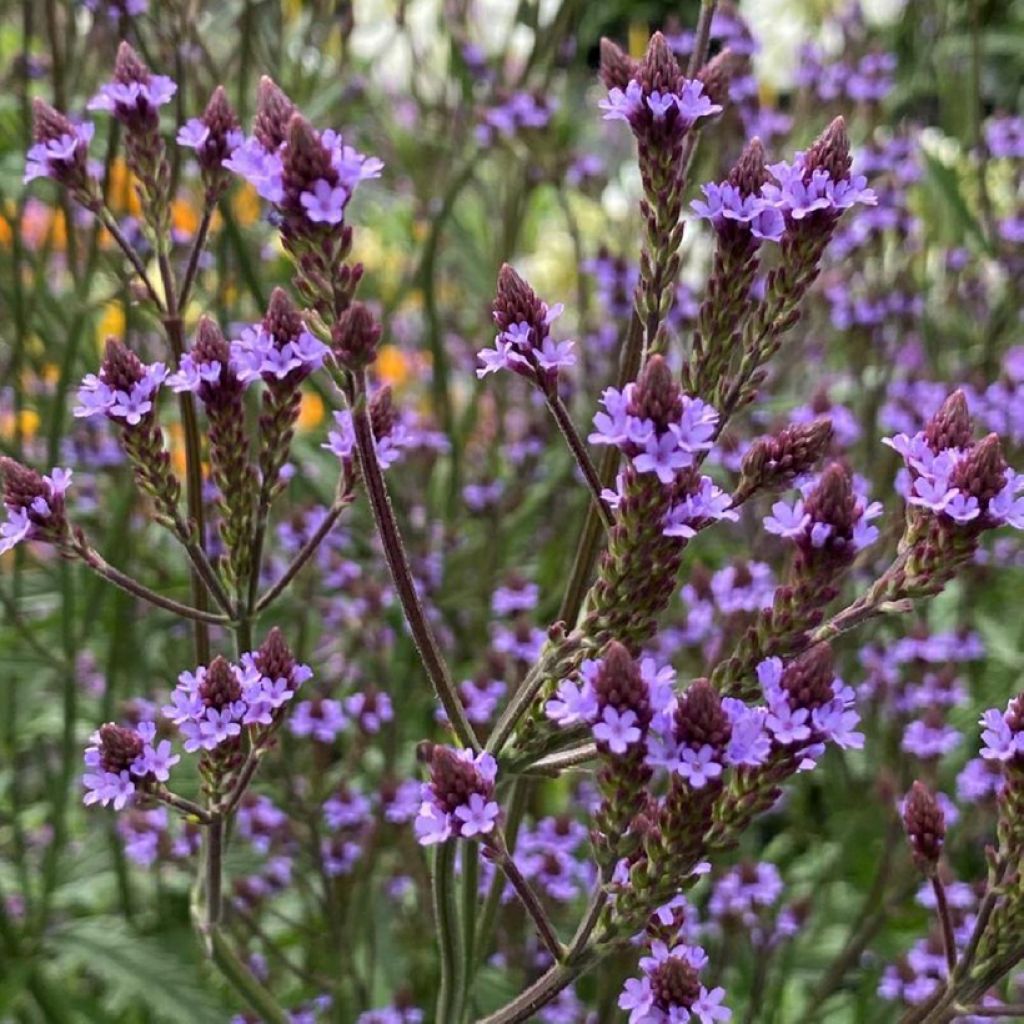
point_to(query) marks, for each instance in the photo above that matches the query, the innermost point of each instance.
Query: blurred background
(485, 115)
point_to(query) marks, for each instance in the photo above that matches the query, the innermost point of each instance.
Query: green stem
(446, 927)
(401, 573)
(540, 993)
(579, 453)
(243, 982)
(470, 902)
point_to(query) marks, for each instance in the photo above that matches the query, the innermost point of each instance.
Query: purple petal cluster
(793, 522)
(26, 522)
(458, 799)
(211, 711)
(527, 349)
(669, 990)
(98, 397)
(121, 760)
(325, 201)
(55, 157)
(641, 108)
(258, 353)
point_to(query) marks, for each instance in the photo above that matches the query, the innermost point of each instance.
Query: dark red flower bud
(951, 426)
(749, 172)
(355, 336)
(657, 395)
(618, 684)
(283, 320)
(121, 368)
(717, 75)
(699, 717)
(274, 659)
(220, 685)
(926, 826)
(830, 152)
(659, 70)
(808, 679)
(119, 747)
(273, 112)
(617, 67)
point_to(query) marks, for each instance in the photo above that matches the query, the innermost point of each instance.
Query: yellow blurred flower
(639, 36)
(123, 197)
(110, 323)
(311, 411)
(24, 424)
(245, 205)
(392, 366)
(184, 217)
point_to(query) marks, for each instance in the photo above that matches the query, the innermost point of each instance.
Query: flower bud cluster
(459, 799)
(34, 505)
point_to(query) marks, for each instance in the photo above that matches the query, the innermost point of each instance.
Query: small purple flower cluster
(459, 799)
(98, 396)
(324, 202)
(211, 705)
(526, 348)
(746, 736)
(57, 157)
(519, 112)
(259, 353)
(681, 106)
(670, 991)
(794, 521)
(942, 479)
(31, 515)
(123, 760)
(130, 101)
(725, 202)
(665, 449)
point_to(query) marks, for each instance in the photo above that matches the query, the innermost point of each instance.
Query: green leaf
(136, 969)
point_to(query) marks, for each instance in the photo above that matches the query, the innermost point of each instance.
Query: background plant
(487, 159)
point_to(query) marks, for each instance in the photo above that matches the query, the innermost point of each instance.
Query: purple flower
(262, 169)
(787, 520)
(18, 527)
(123, 98)
(478, 816)
(48, 159)
(617, 730)
(324, 204)
(698, 767)
(623, 104)
(156, 761)
(663, 456)
(934, 494)
(107, 788)
(788, 725)
(555, 355)
(573, 704)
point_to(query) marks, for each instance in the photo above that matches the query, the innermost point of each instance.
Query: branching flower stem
(401, 573)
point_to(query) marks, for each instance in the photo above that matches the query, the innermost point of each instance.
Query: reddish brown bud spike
(718, 73)
(951, 426)
(659, 69)
(121, 367)
(210, 344)
(748, 174)
(355, 336)
(383, 414)
(128, 66)
(657, 396)
(830, 152)
(617, 67)
(273, 112)
(283, 320)
(926, 826)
